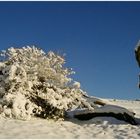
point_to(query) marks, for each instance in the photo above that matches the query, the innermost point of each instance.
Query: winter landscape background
(39, 95)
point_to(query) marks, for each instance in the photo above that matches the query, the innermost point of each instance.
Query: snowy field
(99, 127)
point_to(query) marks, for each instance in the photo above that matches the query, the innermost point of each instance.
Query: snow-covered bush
(33, 83)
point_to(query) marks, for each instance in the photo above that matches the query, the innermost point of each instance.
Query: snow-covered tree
(35, 83)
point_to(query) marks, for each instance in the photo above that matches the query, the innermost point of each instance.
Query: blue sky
(98, 38)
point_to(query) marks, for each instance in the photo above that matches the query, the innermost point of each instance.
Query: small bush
(33, 83)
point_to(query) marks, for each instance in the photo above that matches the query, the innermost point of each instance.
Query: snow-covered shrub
(33, 83)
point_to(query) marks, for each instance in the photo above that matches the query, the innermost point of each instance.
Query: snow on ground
(99, 127)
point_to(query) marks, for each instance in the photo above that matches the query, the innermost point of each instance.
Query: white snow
(99, 127)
